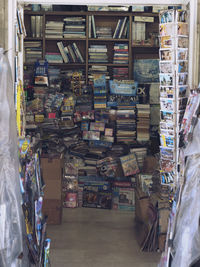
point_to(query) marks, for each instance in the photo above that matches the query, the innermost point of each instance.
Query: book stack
(121, 30)
(70, 53)
(100, 91)
(120, 73)
(143, 123)
(74, 27)
(33, 51)
(95, 69)
(125, 126)
(98, 54)
(54, 29)
(53, 57)
(120, 54)
(138, 32)
(104, 32)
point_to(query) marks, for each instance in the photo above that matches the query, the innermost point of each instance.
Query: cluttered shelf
(109, 64)
(109, 39)
(66, 39)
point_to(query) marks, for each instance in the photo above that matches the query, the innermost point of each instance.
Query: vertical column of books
(173, 88)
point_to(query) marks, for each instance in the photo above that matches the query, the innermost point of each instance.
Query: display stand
(173, 92)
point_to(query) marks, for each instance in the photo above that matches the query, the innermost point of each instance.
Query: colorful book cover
(146, 70)
(129, 164)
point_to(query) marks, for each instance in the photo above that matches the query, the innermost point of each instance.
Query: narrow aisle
(97, 238)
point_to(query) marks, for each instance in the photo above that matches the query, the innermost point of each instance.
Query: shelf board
(108, 64)
(108, 40)
(33, 39)
(65, 39)
(57, 64)
(145, 46)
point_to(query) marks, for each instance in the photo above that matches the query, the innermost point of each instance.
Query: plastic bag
(11, 215)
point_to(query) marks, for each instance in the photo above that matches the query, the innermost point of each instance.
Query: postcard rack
(173, 90)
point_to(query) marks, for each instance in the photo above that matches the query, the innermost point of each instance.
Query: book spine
(37, 26)
(33, 26)
(118, 29)
(122, 27)
(114, 35)
(78, 52)
(62, 52)
(90, 21)
(72, 53)
(93, 27)
(68, 54)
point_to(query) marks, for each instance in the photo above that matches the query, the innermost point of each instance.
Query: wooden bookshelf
(102, 18)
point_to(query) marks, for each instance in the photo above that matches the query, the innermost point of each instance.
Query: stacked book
(74, 27)
(138, 32)
(120, 73)
(70, 53)
(98, 54)
(143, 123)
(53, 57)
(125, 126)
(104, 32)
(120, 54)
(33, 51)
(95, 69)
(100, 91)
(54, 29)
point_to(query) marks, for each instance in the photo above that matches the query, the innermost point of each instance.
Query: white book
(93, 27)
(114, 35)
(122, 27)
(62, 52)
(90, 26)
(33, 26)
(78, 52)
(37, 27)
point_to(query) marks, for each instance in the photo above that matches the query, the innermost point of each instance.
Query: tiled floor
(97, 238)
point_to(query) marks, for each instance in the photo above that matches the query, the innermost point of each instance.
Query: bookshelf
(102, 20)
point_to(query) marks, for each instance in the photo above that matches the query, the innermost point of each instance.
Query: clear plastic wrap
(186, 241)
(11, 215)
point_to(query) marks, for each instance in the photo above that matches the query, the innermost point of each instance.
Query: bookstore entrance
(99, 111)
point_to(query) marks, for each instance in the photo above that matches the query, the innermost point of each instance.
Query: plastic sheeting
(186, 241)
(11, 215)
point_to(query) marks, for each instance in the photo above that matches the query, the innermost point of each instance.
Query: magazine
(167, 116)
(182, 66)
(182, 54)
(166, 30)
(167, 104)
(167, 141)
(166, 55)
(166, 42)
(166, 67)
(167, 126)
(167, 16)
(166, 92)
(166, 79)
(182, 79)
(167, 165)
(167, 153)
(182, 42)
(181, 16)
(182, 29)
(182, 91)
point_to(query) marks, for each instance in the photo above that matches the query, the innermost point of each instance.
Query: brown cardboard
(141, 206)
(51, 168)
(150, 164)
(161, 242)
(53, 209)
(163, 220)
(53, 189)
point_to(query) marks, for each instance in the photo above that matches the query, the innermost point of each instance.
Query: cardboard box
(150, 164)
(53, 209)
(161, 242)
(52, 168)
(53, 189)
(141, 206)
(52, 172)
